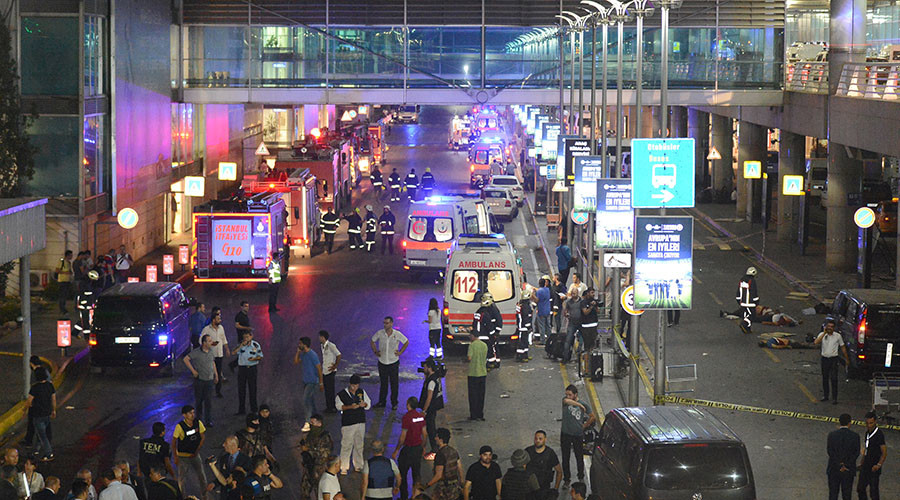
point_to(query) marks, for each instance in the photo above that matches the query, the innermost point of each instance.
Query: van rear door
(712, 470)
(883, 335)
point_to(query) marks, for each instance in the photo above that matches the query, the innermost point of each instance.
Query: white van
(435, 223)
(478, 264)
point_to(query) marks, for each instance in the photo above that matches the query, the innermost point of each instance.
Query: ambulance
(433, 225)
(480, 158)
(481, 263)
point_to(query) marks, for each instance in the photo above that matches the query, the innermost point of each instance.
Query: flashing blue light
(163, 339)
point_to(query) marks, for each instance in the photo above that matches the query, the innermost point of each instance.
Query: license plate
(417, 262)
(128, 340)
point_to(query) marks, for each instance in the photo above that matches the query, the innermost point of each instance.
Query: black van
(140, 324)
(869, 322)
(667, 452)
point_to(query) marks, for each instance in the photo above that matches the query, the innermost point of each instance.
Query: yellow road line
(565, 375)
(804, 390)
(647, 351)
(716, 299)
(772, 355)
(595, 400)
(697, 280)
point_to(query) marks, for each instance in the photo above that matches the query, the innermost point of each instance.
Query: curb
(540, 236)
(12, 416)
(793, 280)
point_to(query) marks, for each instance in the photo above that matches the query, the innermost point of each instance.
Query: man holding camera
(432, 397)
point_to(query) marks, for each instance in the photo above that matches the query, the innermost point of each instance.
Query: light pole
(665, 5)
(640, 10)
(619, 16)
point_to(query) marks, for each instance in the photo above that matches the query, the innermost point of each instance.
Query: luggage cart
(680, 378)
(886, 395)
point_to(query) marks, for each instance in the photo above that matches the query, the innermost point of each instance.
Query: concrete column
(723, 141)
(844, 177)
(791, 161)
(656, 113)
(679, 121)
(847, 32)
(696, 127)
(25, 295)
(648, 120)
(751, 146)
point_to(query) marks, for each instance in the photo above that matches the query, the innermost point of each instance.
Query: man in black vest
(187, 439)
(381, 476)
(431, 399)
(353, 403)
(843, 449)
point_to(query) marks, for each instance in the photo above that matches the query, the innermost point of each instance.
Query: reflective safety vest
(487, 321)
(387, 223)
(376, 178)
(427, 180)
(330, 222)
(411, 180)
(395, 180)
(355, 223)
(747, 295)
(524, 314)
(274, 272)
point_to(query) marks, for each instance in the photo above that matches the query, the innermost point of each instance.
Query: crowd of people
(84, 273)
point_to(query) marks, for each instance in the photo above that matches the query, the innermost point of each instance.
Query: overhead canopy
(22, 227)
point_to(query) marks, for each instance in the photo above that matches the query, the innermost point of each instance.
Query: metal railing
(870, 81)
(806, 76)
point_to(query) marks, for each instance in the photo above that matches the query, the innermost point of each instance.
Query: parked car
(869, 322)
(512, 183)
(501, 202)
(886, 217)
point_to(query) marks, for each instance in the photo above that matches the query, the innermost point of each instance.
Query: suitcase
(603, 363)
(554, 346)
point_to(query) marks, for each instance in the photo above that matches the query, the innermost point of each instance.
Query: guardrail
(870, 81)
(806, 76)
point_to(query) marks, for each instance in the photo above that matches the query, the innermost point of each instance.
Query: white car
(501, 201)
(512, 183)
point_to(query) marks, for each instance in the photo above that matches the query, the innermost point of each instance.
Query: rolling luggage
(603, 363)
(554, 346)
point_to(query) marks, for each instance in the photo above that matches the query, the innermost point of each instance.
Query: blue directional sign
(587, 170)
(194, 185)
(662, 173)
(752, 169)
(615, 217)
(793, 185)
(663, 262)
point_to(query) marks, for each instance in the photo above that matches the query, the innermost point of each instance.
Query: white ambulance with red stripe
(481, 263)
(435, 223)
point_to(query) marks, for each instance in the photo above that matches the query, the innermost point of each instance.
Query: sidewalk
(43, 337)
(805, 272)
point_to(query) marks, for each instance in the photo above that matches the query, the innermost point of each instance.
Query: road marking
(772, 355)
(807, 392)
(721, 244)
(647, 351)
(697, 279)
(715, 299)
(699, 246)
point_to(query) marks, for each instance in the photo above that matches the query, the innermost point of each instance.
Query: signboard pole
(864, 260)
(634, 347)
(765, 218)
(659, 378)
(590, 253)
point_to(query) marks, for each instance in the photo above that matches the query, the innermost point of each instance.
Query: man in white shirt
(331, 357)
(329, 486)
(832, 344)
(216, 333)
(123, 264)
(388, 344)
(577, 285)
(114, 489)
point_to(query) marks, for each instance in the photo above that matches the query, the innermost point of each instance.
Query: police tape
(759, 411)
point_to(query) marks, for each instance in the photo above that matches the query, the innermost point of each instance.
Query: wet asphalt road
(346, 293)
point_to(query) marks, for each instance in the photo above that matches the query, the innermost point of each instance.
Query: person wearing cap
(354, 228)
(387, 221)
(394, 181)
(524, 320)
(427, 182)
(487, 323)
(251, 442)
(412, 182)
(371, 228)
(518, 483)
(380, 475)
(353, 403)
(483, 479)
(747, 297)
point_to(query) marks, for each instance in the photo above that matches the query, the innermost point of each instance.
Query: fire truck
(299, 195)
(376, 143)
(329, 161)
(235, 239)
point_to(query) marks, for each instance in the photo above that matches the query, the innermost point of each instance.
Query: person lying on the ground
(765, 315)
(779, 340)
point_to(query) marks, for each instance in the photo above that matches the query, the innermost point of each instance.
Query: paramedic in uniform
(487, 324)
(524, 318)
(412, 182)
(747, 298)
(354, 228)
(387, 221)
(394, 180)
(371, 228)
(274, 272)
(330, 222)
(427, 183)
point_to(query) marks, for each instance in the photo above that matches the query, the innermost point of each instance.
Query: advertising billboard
(663, 262)
(231, 240)
(574, 147)
(614, 228)
(588, 169)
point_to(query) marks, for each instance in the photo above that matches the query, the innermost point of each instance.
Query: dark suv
(869, 322)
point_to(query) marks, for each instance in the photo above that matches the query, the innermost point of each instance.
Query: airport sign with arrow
(662, 173)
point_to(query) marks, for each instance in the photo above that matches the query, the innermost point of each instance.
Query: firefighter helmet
(751, 271)
(487, 299)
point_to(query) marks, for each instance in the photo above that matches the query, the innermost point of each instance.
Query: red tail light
(92, 340)
(154, 364)
(508, 203)
(861, 333)
(404, 244)
(446, 308)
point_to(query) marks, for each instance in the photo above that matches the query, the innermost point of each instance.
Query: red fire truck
(299, 194)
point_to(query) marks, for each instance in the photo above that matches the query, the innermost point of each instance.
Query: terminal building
(130, 97)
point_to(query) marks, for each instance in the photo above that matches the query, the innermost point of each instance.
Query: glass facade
(57, 140)
(882, 28)
(187, 140)
(95, 173)
(49, 61)
(93, 56)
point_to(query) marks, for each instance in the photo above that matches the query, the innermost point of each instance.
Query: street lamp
(602, 17)
(665, 5)
(562, 65)
(640, 10)
(619, 15)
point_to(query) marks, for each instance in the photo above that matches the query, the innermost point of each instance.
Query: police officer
(330, 222)
(387, 221)
(274, 270)
(427, 182)
(371, 227)
(747, 298)
(431, 399)
(377, 181)
(487, 323)
(394, 181)
(354, 229)
(412, 182)
(524, 316)
(85, 303)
